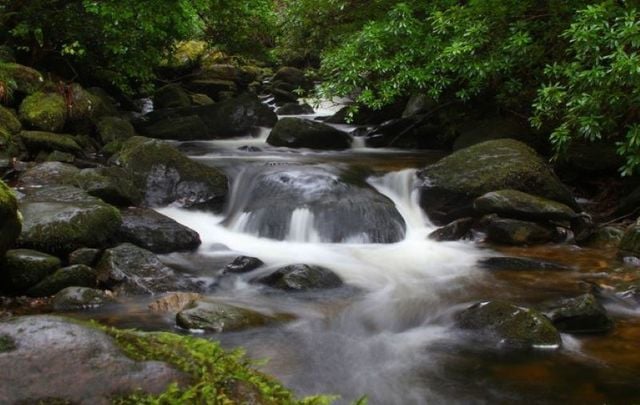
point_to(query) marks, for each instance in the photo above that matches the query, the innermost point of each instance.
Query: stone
(295, 109)
(130, 270)
(24, 268)
(605, 237)
(77, 275)
(243, 264)
(581, 315)
(518, 205)
(9, 121)
(201, 99)
(26, 79)
(449, 187)
(153, 231)
(114, 129)
(218, 317)
(60, 358)
(113, 185)
(171, 96)
(302, 277)
(48, 174)
(86, 256)
(509, 326)
(10, 220)
(301, 133)
(630, 243)
(521, 264)
(44, 111)
(187, 128)
(39, 141)
(174, 302)
(282, 97)
(63, 157)
(293, 76)
(473, 132)
(456, 230)
(212, 87)
(77, 298)
(516, 232)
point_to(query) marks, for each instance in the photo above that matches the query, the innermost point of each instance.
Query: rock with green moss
(77, 275)
(73, 362)
(449, 187)
(114, 129)
(302, 277)
(86, 256)
(199, 99)
(44, 111)
(48, 174)
(166, 176)
(25, 79)
(63, 157)
(218, 317)
(605, 237)
(630, 243)
(103, 104)
(7, 344)
(61, 219)
(294, 77)
(581, 315)
(301, 133)
(113, 185)
(10, 145)
(23, 268)
(171, 96)
(40, 141)
(295, 109)
(519, 205)
(130, 270)
(212, 87)
(506, 325)
(77, 298)
(7, 54)
(9, 121)
(187, 128)
(516, 232)
(10, 221)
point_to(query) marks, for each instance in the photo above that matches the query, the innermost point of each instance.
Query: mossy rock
(199, 99)
(10, 145)
(77, 275)
(171, 96)
(301, 133)
(212, 87)
(506, 325)
(518, 233)
(9, 121)
(7, 344)
(187, 128)
(24, 268)
(630, 243)
(302, 277)
(166, 176)
(44, 111)
(456, 230)
(295, 109)
(605, 237)
(450, 186)
(63, 157)
(40, 141)
(103, 104)
(218, 317)
(293, 76)
(519, 205)
(86, 256)
(10, 220)
(581, 315)
(48, 174)
(76, 298)
(25, 79)
(62, 219)
(113, 185)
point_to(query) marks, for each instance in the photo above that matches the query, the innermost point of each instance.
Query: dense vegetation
(571, 67)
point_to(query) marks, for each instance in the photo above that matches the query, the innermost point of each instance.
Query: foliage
(214, 372)
(593, 95)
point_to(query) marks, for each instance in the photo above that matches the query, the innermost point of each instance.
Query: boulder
(630, 243)
(63, 157)
(114, 129)
(174, 302)
(155, 232)
(10, 220)
(605, 237)
(414, 132)
(583, 314)
(130, 270)
(243, 264)
(199, 99)
(27, 80)
(77, 298)
(519, 205)
(366, 116)
(301, 133)
(218, 317)
(113, 185)
(23, 268)
(39, 141)
(282, 97)
(301, 277)
(510, 326)
(450, 186)
(213, 88)
(61, 219)
(77, 275)
(515, 232)
(295, 109)
(86, 256)
(48, 174)
(521, 264)
(171, 96)
(187, 128)
(44, 111)
(60, 358)
(166, 176)
(293, 76)
(456, 230)
(9, 121)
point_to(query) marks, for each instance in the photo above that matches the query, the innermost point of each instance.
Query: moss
(7, 344)
(216, 374)
(26, 80)
(73, 276)
(630, 243)
(45, 111)
(10, 223)
(114, 129)
(23, 268)
(9, 121)
(37, 141)
(187, 54)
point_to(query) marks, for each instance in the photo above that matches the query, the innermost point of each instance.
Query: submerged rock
(155, 232)
(10, 222)
(59, 358)
(243, 264)
(301, 133)
(76, 298)
(218, 317)
(77, 275)
(521, 264)
(516, 232)
(456, 230)
(174, 302)
(302, 277)
(583, 314)
(450, 186)
(24, 268)
(519, 205)
(128, 269)
(510, 326)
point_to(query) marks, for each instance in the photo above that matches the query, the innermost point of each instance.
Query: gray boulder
(301, 133)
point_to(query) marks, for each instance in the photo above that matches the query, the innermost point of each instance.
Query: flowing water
(388, 334)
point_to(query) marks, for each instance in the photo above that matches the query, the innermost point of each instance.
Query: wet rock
(113, 185)
(166, 176)
(521, 264)
(9, 121)
(57, 156)
(605, 237)
(243, 264)
(187, 128)
(61, 219)
(23, 268)
(10, 222)
(26, 79)
(155, 232)
(414, 132)
(510, 326)
(171, 96)
(114, 129)
(302, 277)
(630, 243)
(77, 275)
(128, 269)
(44, 111)
(519, 205)
(583, 314)
(450, 186)
(76, 298)
(295, 109)
(212, 87)
(282, 97)
(86, 256)
(248, 148)
(516, 232)
(293, 76)
(456, 230)
(38, 141)
(48, 174)
(301, 133)
(217, 317)
(174, 302)
(59, 358)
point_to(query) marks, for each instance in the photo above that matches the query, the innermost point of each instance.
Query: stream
(388, 334)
